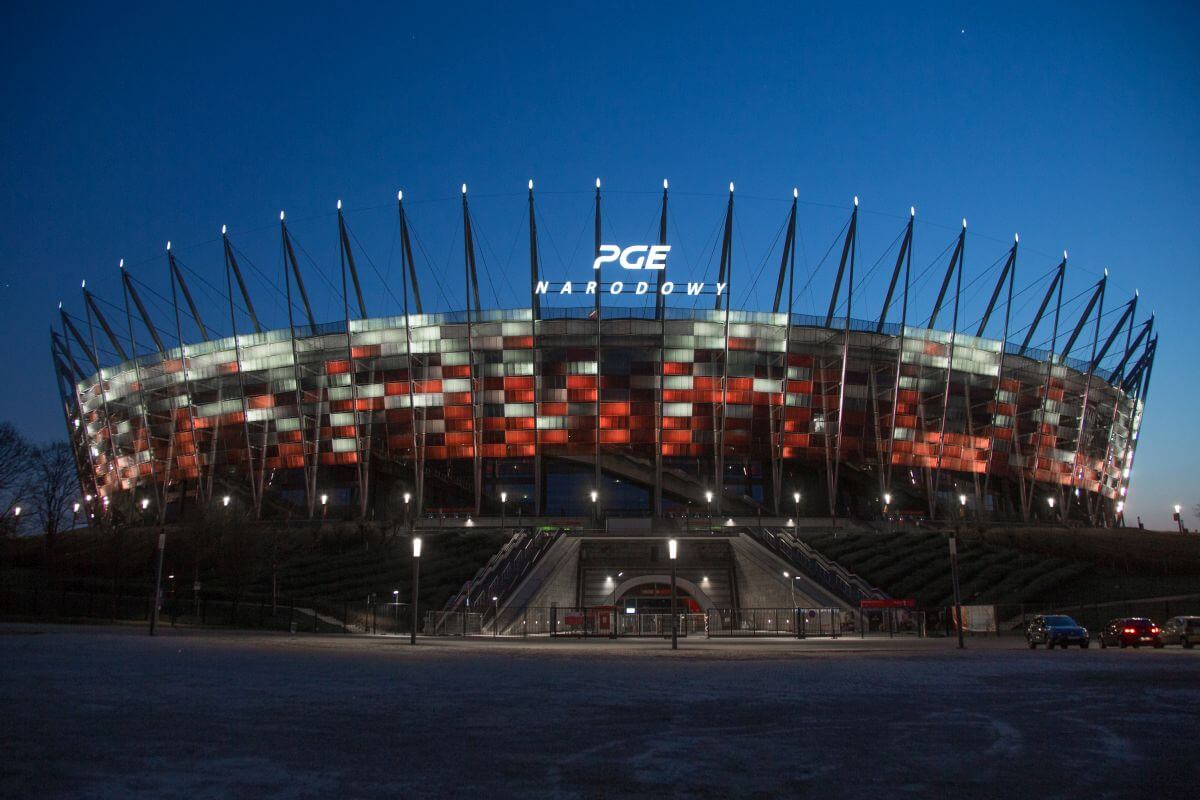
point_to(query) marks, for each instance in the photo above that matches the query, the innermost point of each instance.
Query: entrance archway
(690, 587)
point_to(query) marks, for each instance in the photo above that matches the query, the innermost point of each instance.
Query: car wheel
(1136, 645)
(1158, 645)
(1124, 645)
(1083, 645)
(1032, 645)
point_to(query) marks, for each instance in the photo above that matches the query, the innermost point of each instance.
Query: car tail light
(1154, 629)
(1131, 630)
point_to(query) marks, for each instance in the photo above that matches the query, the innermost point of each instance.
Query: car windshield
(1058, 620)
(1138, 623)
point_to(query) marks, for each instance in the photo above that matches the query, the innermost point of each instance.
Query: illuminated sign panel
(634, 257)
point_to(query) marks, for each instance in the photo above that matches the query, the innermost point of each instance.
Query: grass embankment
(1021, 566)
(333, 563)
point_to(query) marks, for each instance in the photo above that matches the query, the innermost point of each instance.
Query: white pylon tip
(121, 264)
(964, 223)
(856, 201)
(399, 195)
(1135, 292)
(83, 284)
(664, 183)
(795, 193)
(60, 305)
(464, 188)
(339, 205)
(597, 183)
(1016, 238)
(912, 211)
(223, 229)
(168, 245)
(281, 216)
(731, 187)
(531, 184)
(1106, 272)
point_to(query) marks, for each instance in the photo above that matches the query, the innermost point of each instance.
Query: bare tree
(53, 486)
(14, 474)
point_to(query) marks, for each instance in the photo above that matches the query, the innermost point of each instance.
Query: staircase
(825, 572)
(504, 570)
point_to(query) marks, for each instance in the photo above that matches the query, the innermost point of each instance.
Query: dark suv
(1127, 631)
(1055, 629)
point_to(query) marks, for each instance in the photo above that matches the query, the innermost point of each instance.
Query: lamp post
(416, 579)
(887, 503)
(708, 499)
(796, 499)
(595, 507)
(1178, 516)
(324, 506)
(396, 600)
(162, 545)
(495, 615)
(614, 604)
(673, 551)
(503, 508)
(74, 515)
(954, 578)
(1120, 513)
(407, 519)
(791, 586)
(1050, 501)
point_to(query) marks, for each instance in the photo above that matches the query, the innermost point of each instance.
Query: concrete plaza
(112, 713)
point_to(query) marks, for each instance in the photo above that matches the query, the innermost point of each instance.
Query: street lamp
(957, 596)
(1178, 516)
(162, 545)
(495, 615)
(324, 506)
(796, 499)
(1050, 502)
(416, 571)
(225, 501)
(614, 603)
(407, 497)
(791, 585)
(962, 506)
(708, 495)
(673, 551)
(396, 600)
(503, 508)
(595, 505)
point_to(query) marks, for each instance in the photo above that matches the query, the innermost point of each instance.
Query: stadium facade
(608, 410)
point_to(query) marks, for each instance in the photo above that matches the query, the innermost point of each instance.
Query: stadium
(578, 410)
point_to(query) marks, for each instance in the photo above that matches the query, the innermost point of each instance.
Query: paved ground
(112, 713)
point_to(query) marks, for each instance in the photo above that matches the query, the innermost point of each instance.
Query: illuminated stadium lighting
(376, 401)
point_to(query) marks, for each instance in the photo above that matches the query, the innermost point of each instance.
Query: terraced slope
(916, 564)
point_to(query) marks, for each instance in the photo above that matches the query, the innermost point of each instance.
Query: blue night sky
(1076, 126)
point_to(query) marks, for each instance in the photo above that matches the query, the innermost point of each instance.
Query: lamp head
(416, 547)
(673, 548)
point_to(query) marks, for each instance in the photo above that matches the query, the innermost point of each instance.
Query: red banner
(889, 603)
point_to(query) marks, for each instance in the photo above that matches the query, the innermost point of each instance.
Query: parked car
(1181, 630)
(1055, 629)
(1131, 631)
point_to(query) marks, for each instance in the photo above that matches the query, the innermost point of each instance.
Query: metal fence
(310, 615)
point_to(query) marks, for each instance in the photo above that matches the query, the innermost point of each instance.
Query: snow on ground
(113, 713)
